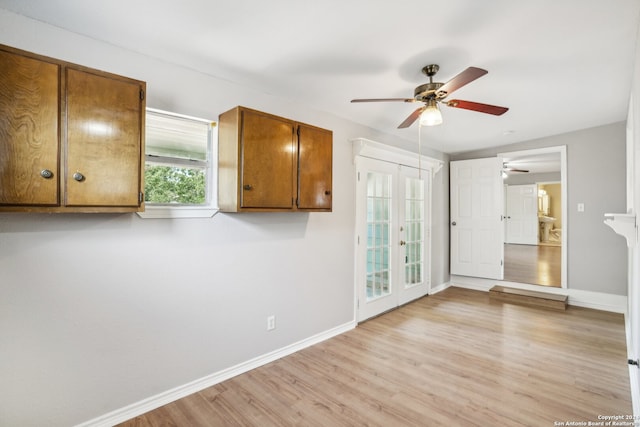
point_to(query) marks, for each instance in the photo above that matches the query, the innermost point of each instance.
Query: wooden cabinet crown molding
(71, 137)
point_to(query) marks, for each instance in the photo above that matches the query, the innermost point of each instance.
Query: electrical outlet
(580, 207)
(271, 323)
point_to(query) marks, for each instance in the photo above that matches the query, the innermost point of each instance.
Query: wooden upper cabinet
(71, 138)
(268, 163)
(315, 152)
(29, 130)
(103, 140)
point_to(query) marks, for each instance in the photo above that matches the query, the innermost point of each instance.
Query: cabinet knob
(78, 176)
(402, 243)
(248, 187)
(46, 173)
(327, 193)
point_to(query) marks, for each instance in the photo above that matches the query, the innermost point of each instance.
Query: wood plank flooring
(538, 265)
(450, 359)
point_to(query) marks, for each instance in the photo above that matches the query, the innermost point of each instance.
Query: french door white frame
(372, 156)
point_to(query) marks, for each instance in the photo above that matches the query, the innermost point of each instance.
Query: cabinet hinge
(633, 362)
(140, 197)
(358, 176)
(141, 95)
(298, 131)
(501, 263)
(358, 239)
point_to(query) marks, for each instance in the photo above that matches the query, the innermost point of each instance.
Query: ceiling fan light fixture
(431, 116)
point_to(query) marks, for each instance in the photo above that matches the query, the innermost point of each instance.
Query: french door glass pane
(378, 235)
(414, 220)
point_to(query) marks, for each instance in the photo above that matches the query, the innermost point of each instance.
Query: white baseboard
(439, 288)
(635, 390)
(121, 415)
(577, 297)
(634, 374)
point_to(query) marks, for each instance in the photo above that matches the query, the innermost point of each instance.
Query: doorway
(542, 262)
(393, 235)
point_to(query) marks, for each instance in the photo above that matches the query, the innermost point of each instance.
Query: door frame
(562, 149)
(367, 149)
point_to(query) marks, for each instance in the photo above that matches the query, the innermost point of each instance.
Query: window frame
(209, 208)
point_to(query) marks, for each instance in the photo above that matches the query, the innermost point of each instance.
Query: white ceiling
(559, 65)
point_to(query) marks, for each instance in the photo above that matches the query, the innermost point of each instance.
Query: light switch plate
(580, 207)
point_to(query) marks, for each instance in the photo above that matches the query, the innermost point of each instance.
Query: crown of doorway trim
(375, 150)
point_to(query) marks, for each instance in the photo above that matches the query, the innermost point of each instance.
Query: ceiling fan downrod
(430, 71)
(428, 91)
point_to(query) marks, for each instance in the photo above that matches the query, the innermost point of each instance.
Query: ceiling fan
(506, 168)
(433, 93)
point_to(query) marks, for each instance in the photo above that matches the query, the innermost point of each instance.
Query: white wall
(532, 178)
(100, 311)
(596, 176)
(633, 206)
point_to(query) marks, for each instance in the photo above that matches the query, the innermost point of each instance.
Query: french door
(393, 243)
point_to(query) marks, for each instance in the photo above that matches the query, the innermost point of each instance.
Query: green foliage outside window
(172, 184)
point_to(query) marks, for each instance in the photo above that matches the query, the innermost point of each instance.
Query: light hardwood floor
(450, 359)
(535, 264)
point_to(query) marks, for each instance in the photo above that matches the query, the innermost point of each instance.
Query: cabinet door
(315, 153)
(268, 161)
(29, 133)
(104, 140)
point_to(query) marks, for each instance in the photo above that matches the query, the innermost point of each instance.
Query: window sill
(175, 212)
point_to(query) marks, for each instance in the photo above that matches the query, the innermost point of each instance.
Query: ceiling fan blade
(476, 106)
(412, 118)
(465, 77)
(385, 100)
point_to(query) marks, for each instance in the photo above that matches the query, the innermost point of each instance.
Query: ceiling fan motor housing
(428, 91)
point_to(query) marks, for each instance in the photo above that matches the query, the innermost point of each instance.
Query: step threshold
(529, 298)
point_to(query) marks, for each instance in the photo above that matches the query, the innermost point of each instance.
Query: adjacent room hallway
(534, 264)
(453, 358)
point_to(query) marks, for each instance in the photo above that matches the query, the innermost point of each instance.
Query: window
(179, 179)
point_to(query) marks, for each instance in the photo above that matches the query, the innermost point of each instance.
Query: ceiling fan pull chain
(419, 152)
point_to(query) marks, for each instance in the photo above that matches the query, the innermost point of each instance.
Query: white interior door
(477, 233)
(522, 214)
(393, 239)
